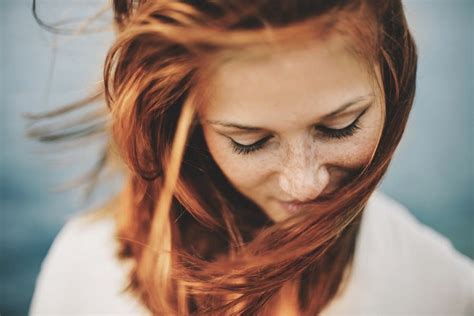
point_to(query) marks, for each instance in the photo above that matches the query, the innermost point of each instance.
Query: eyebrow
(332, 114)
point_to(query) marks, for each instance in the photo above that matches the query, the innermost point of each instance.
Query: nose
(302, 177)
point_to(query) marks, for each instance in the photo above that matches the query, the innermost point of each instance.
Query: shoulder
(402, 266)
(394, 230)
(81, 273)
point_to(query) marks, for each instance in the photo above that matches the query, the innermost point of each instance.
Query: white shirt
(401, 267)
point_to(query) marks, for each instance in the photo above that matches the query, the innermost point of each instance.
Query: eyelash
(328, 133)
(246, 149)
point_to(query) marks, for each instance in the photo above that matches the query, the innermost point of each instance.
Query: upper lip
(296, 202)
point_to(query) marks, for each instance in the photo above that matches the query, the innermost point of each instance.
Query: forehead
(287, 82)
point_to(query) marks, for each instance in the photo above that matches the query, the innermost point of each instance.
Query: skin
(285, 94)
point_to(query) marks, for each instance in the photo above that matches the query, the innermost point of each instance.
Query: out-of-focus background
(432, 173)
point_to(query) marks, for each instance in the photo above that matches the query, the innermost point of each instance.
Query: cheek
(356, 154)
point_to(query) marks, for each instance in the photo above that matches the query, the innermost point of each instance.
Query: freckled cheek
(357, 156)
(359, 151)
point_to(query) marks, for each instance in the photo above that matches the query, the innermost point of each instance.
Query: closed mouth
(319, 199)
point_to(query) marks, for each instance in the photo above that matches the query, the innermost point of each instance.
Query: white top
(401, 267)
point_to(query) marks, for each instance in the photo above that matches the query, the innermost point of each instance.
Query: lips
(294, 206)
(321, 198)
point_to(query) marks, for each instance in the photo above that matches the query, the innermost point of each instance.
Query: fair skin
(272, 119)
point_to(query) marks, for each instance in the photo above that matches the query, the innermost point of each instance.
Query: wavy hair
(197, 245)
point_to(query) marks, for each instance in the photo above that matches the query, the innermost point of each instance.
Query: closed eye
(327, 132)
(339, 133)
(246, 149)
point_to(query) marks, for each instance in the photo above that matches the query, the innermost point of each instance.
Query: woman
(253, 135)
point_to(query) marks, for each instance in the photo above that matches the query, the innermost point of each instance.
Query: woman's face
(288, 127)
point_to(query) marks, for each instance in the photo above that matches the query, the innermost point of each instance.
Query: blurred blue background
(432, 173)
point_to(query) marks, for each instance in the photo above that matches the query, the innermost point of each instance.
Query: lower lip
(293, 208)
